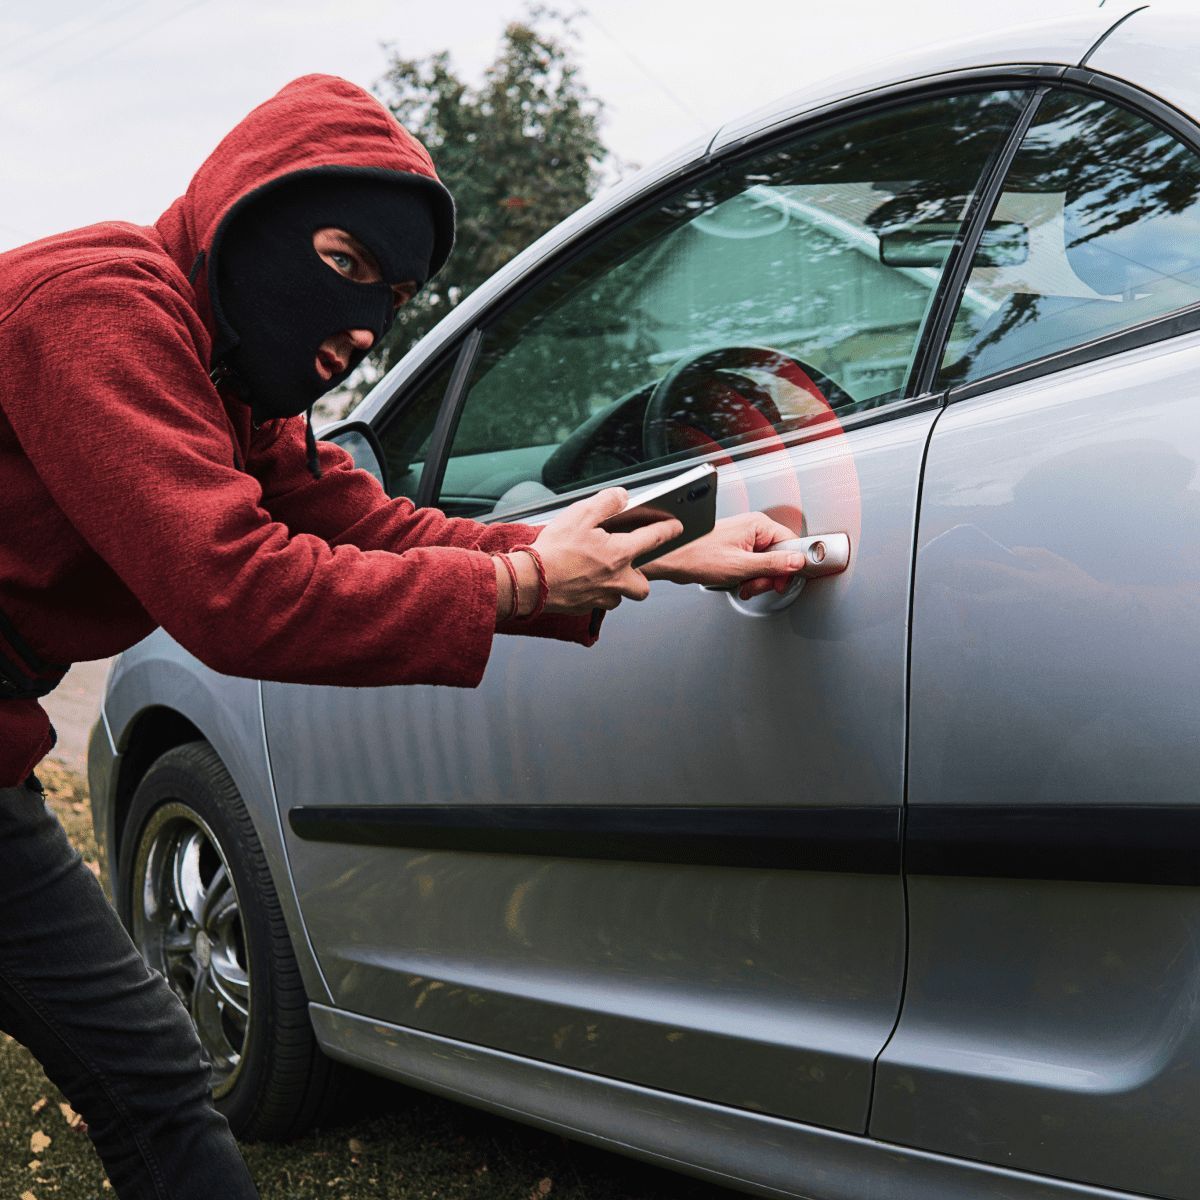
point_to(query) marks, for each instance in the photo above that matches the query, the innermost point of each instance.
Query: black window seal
(1153, 108)
(1023, 76)
(400, 398)
(664, 469)
(1179, 321)
(447, 420)
(954, 279)
(1158, 329)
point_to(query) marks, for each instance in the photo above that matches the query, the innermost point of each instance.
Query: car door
(672, 858)
(1050, 1019)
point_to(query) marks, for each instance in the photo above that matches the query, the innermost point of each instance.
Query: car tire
(196, 895)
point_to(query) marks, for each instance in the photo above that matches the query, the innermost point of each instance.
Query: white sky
(108, 106)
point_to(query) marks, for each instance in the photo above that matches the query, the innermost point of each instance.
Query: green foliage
(519, 153)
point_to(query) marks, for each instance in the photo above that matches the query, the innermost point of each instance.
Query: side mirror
(359, 440)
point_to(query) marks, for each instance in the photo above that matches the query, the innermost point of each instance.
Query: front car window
(781, 288)
(1111, 208)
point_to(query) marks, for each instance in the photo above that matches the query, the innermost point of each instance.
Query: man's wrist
(661, 568)
(527, 580)
(504, 590)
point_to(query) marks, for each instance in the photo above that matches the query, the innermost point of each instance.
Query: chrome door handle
(824, 554)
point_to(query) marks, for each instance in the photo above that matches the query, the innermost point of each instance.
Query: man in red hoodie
(155, 470)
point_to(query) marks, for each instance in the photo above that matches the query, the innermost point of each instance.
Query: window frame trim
(664, 469)
(392, 409)
(1176, 323)
(446, 424)
(953, 284)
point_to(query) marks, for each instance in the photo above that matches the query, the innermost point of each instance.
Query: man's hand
(587, 568)
(738, 550)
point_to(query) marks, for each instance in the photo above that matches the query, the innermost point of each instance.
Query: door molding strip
(865, 840)
(1099, 843)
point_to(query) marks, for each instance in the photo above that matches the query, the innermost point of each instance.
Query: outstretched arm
(134, 445)
(346, 506)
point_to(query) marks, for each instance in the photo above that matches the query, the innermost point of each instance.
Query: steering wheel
(706, 397)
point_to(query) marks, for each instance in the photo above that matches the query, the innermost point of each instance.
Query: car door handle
(824, 554)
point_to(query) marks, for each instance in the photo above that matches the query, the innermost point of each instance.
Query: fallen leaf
(28, 1196)
(38, 1105)
(71, 1117)
(106, 1186)
(357, 1147)
(34, 1164)
(39, 1141)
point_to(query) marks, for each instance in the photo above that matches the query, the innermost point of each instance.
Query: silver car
(885, 887)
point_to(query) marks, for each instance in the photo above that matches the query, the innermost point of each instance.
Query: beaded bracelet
(543, 584)
(516, 587)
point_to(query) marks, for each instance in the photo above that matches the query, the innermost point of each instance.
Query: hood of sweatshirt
(317, 123)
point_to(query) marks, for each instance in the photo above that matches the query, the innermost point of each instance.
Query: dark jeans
(109, 1032)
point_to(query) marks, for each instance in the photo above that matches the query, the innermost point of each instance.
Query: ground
(407, 1145)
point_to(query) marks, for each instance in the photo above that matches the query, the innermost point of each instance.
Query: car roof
(1061, 41)
(1157, 52)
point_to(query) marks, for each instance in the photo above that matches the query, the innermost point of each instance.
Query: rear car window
(1107, 206)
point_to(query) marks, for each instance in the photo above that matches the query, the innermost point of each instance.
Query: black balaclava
(276, 300)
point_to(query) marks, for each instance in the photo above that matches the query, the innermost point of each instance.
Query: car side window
(779, 287)
(1110, 207)
(405, 434)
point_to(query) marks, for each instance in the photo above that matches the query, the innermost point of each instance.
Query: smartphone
(690, 497)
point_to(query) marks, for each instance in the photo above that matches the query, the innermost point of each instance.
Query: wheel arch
(152, 733)
(160, 697)
(204, 908)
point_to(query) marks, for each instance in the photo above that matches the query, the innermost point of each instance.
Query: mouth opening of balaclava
(275, 300)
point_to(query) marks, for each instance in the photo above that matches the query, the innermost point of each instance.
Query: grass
(406, 1146)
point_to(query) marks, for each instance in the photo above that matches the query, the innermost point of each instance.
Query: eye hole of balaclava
(276, 300)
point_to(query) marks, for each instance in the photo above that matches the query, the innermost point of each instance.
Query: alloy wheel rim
(187, 923)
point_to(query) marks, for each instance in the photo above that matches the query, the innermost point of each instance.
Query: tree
(519, 153)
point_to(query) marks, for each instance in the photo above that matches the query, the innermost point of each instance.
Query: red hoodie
(134, 495)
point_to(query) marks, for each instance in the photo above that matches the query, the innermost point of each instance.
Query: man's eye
(343, 262)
